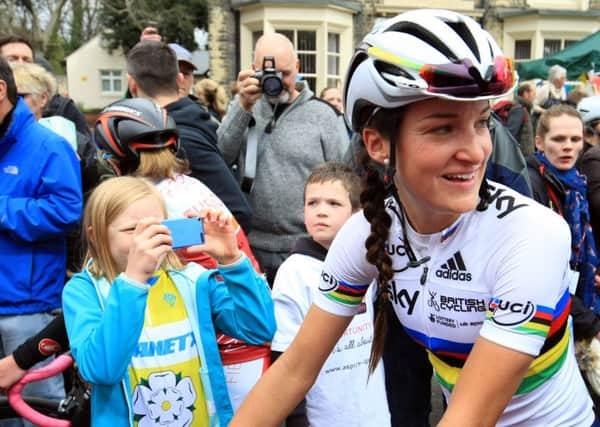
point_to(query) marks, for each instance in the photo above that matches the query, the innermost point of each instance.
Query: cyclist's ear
(377, 145)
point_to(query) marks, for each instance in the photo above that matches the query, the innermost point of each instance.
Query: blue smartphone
(185, 231)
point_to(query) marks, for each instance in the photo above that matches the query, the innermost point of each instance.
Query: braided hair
(372, 199)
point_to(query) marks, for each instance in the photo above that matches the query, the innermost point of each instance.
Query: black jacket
(65, 107)
(589, 165)
(586, 323)
(198, 139)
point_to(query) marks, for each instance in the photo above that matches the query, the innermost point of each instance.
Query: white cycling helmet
(422, 54)
(589, 108)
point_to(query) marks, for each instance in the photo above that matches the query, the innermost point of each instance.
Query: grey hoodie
(305, 135)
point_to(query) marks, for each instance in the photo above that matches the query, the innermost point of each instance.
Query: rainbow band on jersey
(448, 362)
(350, 295)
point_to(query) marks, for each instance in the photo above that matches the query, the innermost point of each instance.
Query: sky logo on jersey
(454, 269)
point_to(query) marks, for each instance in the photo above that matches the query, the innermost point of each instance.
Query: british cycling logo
(328, 282)
(507, 313)
(456, 304)
(454, 269)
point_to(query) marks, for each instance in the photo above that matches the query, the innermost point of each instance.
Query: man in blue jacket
(40, 201)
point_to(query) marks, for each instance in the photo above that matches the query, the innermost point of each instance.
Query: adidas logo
(454, 269)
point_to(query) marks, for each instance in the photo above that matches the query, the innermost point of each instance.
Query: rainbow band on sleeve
(448, 365)
(538, 325)
(350, 295)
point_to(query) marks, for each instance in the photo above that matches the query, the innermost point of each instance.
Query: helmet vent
(387, 68)
(461, 29)
(425, 35)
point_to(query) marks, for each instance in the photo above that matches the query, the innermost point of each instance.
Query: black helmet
(129, 125)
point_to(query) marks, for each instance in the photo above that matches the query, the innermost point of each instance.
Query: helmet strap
(390, 169)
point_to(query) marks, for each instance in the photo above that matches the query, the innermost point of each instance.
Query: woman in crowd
(475, 272)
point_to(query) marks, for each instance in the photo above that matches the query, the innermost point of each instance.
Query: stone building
(325, 32)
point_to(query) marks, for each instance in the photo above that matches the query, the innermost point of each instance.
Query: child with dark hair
(341, 395)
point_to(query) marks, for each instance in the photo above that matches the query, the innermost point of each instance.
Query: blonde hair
(107, 202)
(34, 79)
(212, 95)
(158, 164)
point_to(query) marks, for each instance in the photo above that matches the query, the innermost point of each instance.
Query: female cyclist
(475, 272)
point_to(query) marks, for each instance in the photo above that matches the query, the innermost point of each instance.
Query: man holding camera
(278, 131)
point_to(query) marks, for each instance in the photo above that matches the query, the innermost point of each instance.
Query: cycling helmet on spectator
(127, 126)
(589, 108)
(422, 54)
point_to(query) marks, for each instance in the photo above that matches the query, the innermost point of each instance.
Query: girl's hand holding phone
(150, 243)
(219, 235)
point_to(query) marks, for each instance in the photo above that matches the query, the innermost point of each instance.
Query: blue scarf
(576, 212)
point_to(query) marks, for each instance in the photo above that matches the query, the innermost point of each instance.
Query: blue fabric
(576, 212)
(40, 201)
(104, 322)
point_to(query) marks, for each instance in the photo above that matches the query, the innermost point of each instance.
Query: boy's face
(326, 208)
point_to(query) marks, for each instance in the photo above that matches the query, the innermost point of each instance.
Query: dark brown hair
(387, 122)
(153, 66)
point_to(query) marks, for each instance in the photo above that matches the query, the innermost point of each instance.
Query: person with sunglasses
(475, 272)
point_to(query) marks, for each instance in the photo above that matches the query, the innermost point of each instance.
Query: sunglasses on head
(459, 79)
(463, 80)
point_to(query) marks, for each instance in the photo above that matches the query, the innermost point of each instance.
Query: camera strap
(250, 160)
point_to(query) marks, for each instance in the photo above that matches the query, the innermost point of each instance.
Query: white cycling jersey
(501, 273)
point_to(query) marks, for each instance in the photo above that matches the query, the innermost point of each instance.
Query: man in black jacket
(153, 74)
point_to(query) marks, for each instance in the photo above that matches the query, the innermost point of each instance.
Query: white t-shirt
(503, 274)
(185, 192)
(341, 395)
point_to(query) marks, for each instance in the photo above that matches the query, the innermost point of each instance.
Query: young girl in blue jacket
(141, 325)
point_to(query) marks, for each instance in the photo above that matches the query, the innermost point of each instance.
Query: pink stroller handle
(15, 399)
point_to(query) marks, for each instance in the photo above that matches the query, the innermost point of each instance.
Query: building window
(522, 49)
(569, 43)
(333, 60)
(551, 46)
(111, 81)
(305, 43)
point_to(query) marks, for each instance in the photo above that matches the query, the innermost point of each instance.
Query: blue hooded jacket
(104, 322)
(40, 201)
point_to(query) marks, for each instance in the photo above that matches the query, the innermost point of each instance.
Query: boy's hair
(335, 171)
(158, 164)
(107, 202)
(153, 66)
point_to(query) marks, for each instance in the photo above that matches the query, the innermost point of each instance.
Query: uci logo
(505, 313)
(328, 282)
(395, 249)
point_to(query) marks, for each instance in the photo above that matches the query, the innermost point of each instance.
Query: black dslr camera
(270, 80)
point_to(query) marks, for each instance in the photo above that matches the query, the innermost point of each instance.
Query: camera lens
(271, 85)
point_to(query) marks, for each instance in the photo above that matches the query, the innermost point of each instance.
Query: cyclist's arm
(495, 372)
(268, 403)
(52, 339)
